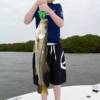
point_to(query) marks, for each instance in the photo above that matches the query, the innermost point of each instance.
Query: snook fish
(40, 50)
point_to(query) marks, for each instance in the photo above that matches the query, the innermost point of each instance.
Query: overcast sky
(80, 16)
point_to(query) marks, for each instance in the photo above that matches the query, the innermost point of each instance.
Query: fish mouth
(41, 36)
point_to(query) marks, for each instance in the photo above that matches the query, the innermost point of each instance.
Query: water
(16, 72)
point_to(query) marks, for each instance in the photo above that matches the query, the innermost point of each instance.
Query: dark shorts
(57, 65)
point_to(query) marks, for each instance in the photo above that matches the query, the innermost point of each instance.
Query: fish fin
(39, 88)
(42, 89)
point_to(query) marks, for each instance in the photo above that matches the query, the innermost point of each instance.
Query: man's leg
(57, 92)
(44, 96)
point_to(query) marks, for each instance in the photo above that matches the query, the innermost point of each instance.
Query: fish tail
(42, 89)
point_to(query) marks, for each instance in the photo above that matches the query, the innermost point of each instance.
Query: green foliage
(19, 47)
(75, 44)
(82, 44)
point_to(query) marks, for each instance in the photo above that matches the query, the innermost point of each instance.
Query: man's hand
(44, 7)
(39, 2)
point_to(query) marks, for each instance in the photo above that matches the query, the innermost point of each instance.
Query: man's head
(50, 1)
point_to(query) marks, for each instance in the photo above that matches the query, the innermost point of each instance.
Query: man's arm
(58, 21)
(31, 12)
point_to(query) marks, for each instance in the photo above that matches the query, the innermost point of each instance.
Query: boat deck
(80, 92)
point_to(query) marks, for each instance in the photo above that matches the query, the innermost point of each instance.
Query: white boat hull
(81, 92)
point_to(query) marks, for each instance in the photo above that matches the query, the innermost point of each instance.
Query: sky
(80, 17)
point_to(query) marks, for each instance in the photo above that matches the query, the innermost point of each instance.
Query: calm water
(16, 72)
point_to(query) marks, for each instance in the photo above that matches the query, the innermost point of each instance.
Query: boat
(76, 92)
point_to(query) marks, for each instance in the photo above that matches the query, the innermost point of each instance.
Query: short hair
(52, 0)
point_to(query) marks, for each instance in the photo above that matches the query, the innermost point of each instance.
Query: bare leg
(57, 92)
(44, 96)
